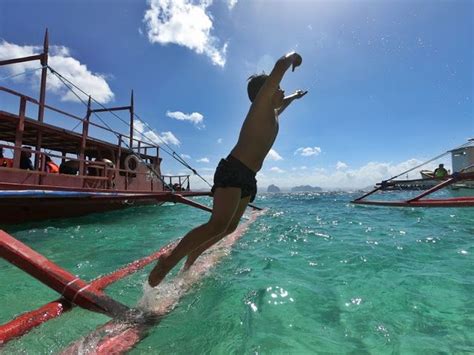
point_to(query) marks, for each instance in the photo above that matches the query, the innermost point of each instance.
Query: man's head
(255, 83)
(26, 153)
(441, 165)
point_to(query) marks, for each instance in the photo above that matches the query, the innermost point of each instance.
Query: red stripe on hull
(449, 202)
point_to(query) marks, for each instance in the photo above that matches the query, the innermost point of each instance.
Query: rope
(173, 154)
(22, 73)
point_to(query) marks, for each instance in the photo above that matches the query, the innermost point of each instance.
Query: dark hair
(256, 82)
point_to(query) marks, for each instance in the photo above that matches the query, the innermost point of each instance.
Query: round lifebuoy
(131, 162)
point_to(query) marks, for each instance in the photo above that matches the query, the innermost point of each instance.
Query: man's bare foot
(159, 272)
(188, 264)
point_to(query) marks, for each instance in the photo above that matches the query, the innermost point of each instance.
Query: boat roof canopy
(54, 138)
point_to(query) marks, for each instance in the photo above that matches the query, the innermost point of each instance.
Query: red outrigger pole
(73, 290)
(418, 200)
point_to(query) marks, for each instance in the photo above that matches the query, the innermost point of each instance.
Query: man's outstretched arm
(293, 60)
(289, 99)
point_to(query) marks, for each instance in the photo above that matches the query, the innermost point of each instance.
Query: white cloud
(219, 140)
(150, 136)
(196, 118)
(61, 61)
(341, 165)
(350, 179)
(203, 160)
(186, 23)
(185, 156)
(276, 169)
(169, 138)
(308, 151)
(232, 3)
(303, 167)
(273, 155)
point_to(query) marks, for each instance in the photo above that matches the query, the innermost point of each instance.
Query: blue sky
(390, 82)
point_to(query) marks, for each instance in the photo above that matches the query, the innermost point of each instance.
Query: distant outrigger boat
(462, 179)
(97, 176)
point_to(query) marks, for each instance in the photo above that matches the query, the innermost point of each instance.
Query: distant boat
(461, 180)
(94, 175)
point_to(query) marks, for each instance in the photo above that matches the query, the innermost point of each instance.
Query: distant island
(273, 188)
(306, 188)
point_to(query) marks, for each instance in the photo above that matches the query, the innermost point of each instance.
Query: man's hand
(296, 60)
(300, 93)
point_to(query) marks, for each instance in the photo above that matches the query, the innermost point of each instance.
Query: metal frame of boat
(461, 179)
(420, 200)
(106, 175)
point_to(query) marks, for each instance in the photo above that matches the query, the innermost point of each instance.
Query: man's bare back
(257, 135)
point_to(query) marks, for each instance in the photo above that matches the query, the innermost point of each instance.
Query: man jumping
(234, 180)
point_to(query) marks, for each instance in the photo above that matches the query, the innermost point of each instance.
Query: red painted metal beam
(179, 198)
(27, 321)
(21, 60)
(447, 202)
(69, 286)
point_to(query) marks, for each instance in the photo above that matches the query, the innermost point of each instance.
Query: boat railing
(177, 182)
(97, 174)
(138, 144)
(467, 169)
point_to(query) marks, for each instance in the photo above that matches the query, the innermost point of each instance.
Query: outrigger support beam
(179, 198)
(418, 200)
(69, 286)
(29, 320)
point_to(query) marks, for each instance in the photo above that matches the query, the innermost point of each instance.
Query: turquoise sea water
(314, 274)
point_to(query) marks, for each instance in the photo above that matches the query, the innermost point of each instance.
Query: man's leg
(225, 203)
(193, 255)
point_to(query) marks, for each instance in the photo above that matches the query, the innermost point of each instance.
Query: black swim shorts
(231, 172)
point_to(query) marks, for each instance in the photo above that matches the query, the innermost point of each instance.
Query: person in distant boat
(69, 167)
(50, 165)
(440, 172)
(25, 159)
(5, 162)
(234, 180)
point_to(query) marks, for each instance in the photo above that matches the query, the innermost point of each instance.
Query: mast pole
(42, 98)
(131, 121)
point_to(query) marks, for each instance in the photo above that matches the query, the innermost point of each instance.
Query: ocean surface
(313, 274)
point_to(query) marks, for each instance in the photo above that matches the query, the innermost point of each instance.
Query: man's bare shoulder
(262, 105)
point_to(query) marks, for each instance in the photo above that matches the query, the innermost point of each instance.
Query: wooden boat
(94, 174)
